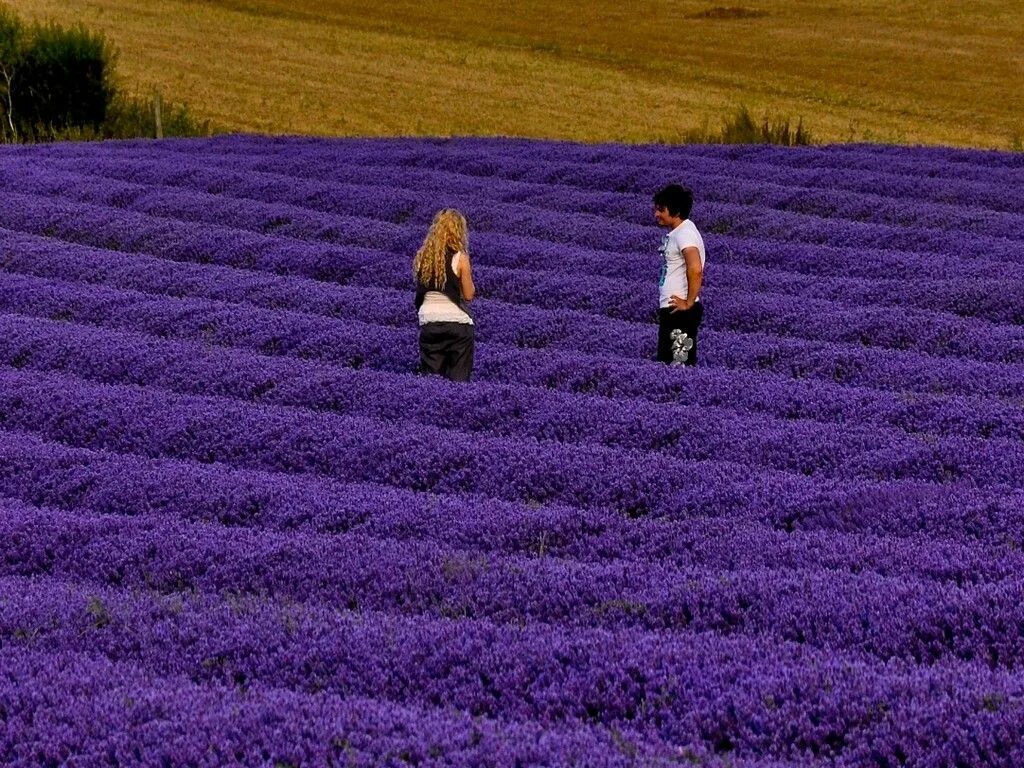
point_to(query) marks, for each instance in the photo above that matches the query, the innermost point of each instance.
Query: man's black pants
(686, 320)
(447, 349)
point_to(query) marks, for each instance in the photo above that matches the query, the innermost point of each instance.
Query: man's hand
(678, 303)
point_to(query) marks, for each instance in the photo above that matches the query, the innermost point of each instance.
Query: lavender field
(236, 528)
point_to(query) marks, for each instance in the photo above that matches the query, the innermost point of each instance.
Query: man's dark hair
(676, 199)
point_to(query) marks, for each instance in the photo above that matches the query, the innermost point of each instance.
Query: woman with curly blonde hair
(444, 283)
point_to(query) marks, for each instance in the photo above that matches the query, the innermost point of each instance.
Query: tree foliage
(60, 83)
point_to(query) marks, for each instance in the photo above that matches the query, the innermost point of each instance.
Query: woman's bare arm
(466, 277)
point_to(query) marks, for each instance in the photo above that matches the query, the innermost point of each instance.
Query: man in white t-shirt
(680, 310)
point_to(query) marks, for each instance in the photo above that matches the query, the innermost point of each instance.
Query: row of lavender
(226, 502)
(561, 214)
(730, 694)
(768, 348)
(743, 205)
(285, 315)
(859, 301)
(801, 446)
(975, 179)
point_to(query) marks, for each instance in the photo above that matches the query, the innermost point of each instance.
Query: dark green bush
(64, 81)
(60, 83)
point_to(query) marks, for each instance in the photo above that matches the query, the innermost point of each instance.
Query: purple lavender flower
(236, 528)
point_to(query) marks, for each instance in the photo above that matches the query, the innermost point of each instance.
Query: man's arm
(694, 278)
(694, 274)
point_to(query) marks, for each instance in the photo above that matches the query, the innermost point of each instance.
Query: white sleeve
(686, 239)
(457, 263)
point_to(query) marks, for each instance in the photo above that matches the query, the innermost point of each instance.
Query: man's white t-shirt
(673, 266)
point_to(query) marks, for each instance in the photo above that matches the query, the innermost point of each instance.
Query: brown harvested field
(918, 71)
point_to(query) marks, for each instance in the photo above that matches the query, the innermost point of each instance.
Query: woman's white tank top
(438, 308)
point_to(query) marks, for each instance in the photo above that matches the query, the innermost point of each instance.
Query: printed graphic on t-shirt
(664, 260)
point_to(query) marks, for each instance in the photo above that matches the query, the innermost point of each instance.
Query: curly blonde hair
(447, 235)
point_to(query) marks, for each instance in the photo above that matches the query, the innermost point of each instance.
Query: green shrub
(742, 128)
(132, 117)
(60, 83)
(64, 81)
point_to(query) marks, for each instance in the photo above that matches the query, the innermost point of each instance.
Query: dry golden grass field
(904, 71)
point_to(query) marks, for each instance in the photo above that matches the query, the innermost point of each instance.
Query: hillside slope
(905, 72)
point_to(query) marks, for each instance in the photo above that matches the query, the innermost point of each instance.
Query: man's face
(662, 216)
